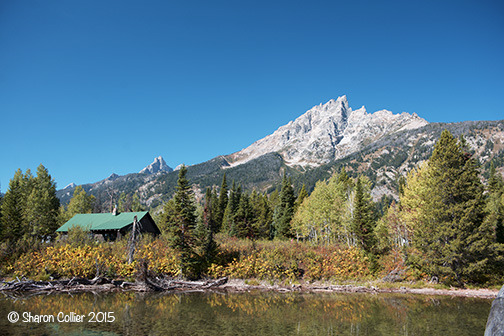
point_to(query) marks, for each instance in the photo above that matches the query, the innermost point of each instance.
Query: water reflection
(249, 314)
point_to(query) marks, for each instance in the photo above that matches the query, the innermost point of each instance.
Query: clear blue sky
(89, 88)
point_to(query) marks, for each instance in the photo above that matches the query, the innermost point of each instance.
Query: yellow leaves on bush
(87, 261)
(294, 261)
(279, 260)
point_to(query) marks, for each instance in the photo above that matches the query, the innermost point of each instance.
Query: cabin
(111, 226)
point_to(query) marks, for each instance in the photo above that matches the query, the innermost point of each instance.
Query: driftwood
(81, 284)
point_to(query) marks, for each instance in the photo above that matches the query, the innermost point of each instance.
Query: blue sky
(89, 88)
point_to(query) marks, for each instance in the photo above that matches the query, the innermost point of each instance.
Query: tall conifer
(12, 208)
(494, 203)
(456, 243)
(363, 221)
(42, 206)
(285, 211)
(222, 203)
(183, 224)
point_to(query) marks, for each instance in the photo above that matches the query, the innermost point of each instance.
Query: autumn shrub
(236, 258)
(290, 260)
(88, 260)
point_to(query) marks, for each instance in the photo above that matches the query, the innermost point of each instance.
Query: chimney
(114, 212)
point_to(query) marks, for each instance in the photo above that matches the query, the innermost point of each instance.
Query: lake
(256, 313)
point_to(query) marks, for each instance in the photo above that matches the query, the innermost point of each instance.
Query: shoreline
(239, 285)
(229, 286)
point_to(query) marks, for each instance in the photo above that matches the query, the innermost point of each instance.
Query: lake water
(129, 313)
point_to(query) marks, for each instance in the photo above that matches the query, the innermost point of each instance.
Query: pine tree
(231, 208)
(13, 205)
(183, 224)
(263, 215)
(343, 176)
(494, 204)
(167, 217)
(243, 224)
(222, 204)
(42, 206)
(457, 244)
(210, 228)
(363, 222)
(285, 212)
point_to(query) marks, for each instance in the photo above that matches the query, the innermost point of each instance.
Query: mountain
(381, 145)
(70, 186)
(386, 160)
(159, 165)
(326, 133)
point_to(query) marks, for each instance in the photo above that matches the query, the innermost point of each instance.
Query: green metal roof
(102, 221)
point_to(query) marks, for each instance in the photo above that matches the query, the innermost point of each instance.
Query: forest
(445, 227)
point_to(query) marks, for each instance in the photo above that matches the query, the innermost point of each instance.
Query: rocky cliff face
(158, 165)
(327, 132)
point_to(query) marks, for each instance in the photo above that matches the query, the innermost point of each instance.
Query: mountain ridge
(388, 146)
(325, 133)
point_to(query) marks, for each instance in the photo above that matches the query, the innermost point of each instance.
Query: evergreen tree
(243, 224)
(263, 215)
(343, 176)
(495, 183)
(282, 221)
(210, 228)
(494, 204)
(13, 206)
(167, 217)
(363, 222)
(457, 245)
(222, 204)
(231, 208)
(42, 206)
(183, 224)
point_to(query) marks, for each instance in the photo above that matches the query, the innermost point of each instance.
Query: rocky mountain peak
(70, 186)
(158, 165)
(327, 132)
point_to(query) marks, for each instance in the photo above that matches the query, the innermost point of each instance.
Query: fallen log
(200, 284)
(82, 284)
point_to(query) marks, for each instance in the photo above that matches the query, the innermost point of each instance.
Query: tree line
(446, 223)
(29, 210)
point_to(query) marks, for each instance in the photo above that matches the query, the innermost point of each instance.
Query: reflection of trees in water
(270, 313)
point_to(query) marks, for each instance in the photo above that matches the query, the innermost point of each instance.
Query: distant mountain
(326, 133)
(159, 165)
(70, 186)
(380, 145)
